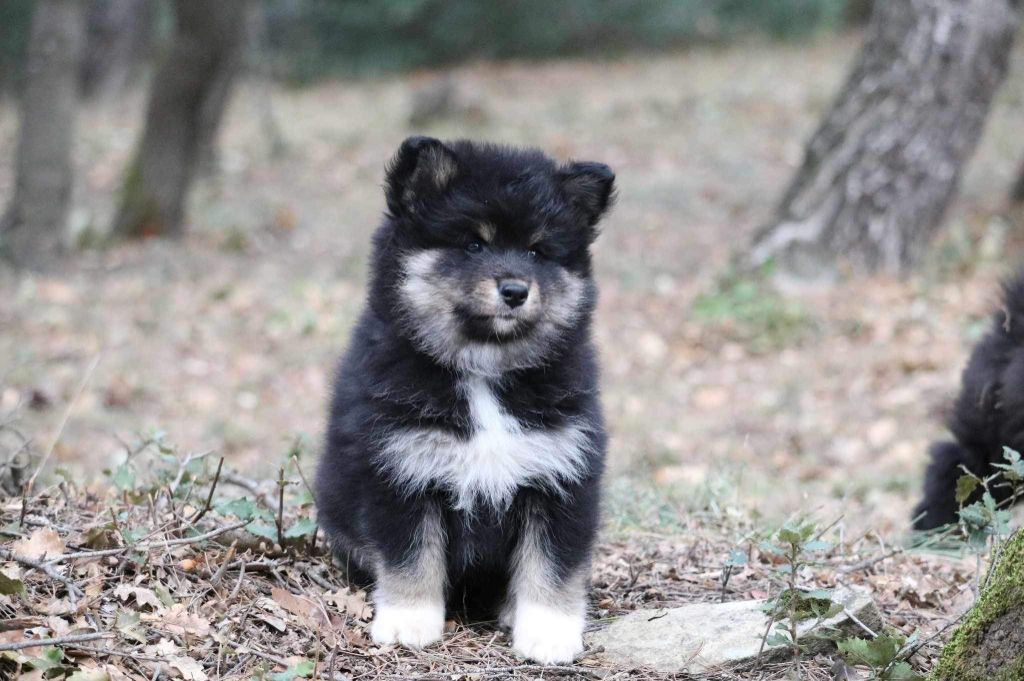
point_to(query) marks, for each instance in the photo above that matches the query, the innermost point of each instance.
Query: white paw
(547, 635)
(414, 626)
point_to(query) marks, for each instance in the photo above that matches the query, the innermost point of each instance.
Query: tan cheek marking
(565, 304)
(487, 231)
(486, 295)
(421, 287)
(533, 299)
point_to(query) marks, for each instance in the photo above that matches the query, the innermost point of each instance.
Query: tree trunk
(32, 229)
(989, 644)
(215, 103)
(119, 37)
(879, 173)
(1017, 190)
(187, 96)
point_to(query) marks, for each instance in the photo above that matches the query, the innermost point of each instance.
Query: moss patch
(989, 644)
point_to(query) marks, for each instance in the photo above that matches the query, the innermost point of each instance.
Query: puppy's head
(489, 250)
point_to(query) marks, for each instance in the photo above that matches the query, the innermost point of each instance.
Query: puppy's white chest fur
(498, 458)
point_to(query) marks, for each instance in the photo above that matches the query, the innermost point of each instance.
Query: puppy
(466, 440)
(987, 416)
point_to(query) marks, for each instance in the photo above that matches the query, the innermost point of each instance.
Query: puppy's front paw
(415, 626)
(546, 635)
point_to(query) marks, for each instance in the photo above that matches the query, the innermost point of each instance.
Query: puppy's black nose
(513, 291)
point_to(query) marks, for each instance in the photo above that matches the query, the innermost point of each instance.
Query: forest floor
(730, 407)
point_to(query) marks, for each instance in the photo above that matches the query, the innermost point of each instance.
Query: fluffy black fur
(987, 416)
(393, 377)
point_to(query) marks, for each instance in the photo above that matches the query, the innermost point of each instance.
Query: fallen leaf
(35, 675)
(178, 620)
(89, 675)
(9, 585)
(43, 542)
(163, 648)
(352, 603)
(143, 596)
(190, 669)
(128, 623)
(58, 626)
(102, 537)
(296, 605)
(276, 622)
(300, 668)
(58, 606)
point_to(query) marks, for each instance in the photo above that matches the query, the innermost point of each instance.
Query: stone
(704, 637)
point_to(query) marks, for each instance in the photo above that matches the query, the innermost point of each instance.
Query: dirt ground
(723, 402)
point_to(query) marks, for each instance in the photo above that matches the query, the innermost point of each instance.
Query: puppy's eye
(533, 254)
(474, 247)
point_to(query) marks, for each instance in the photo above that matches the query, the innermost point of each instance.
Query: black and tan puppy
(987, 416)
(466, 441)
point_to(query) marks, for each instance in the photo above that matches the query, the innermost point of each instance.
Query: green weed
(751, 311)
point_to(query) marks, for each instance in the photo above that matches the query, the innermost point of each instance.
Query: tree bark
(119, 37)
(186, 101)
(989, 644)
(32, 229)
(881, 169)
(215, 104)
(1017, 190)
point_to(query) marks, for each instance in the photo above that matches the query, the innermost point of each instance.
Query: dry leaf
(34, 675)
(178, 620)
(164, 648)
(352, 603)
(127, 622)
(277, 618)
(308, 612)
(276, 622)
(296, 605)
(58, 606)
(270, 605)
(43, 542)
(58, 626)
(89, 673)
(190, 669)
(143, 596)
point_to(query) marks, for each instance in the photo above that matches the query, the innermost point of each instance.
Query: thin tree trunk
(1017, 190)
(214, 106)
(187, 95)
(32, 229)
(119, 37)
(880, 171)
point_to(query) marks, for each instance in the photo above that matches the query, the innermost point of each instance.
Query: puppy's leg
(939, 506)
(410, 595)
(547, 601)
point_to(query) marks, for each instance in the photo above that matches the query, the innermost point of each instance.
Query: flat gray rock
(705, 636)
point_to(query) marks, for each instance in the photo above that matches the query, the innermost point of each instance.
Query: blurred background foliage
(313, 37)
(15, 17)
(310, 39)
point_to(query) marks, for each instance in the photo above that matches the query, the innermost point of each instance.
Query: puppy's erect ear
(423, 167)
(590, 186)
